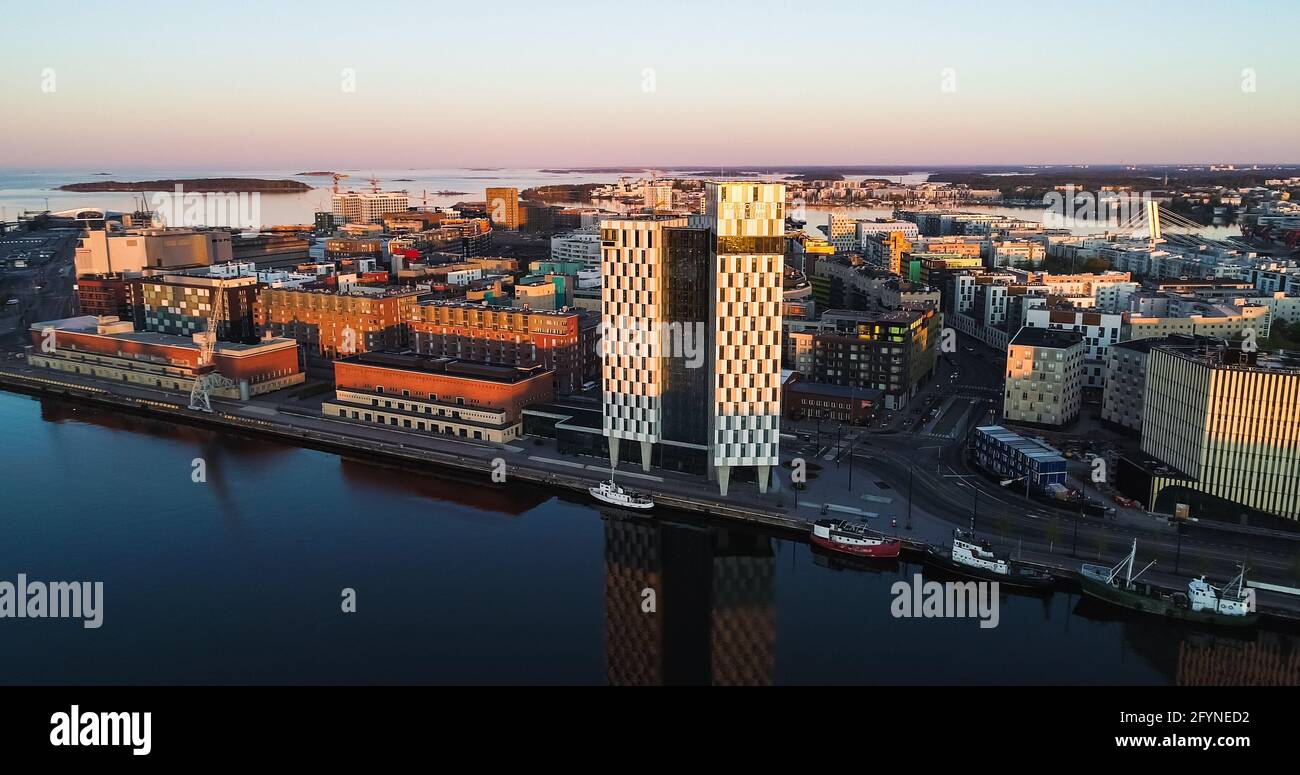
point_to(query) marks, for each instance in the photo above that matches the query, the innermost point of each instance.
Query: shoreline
(413, 458)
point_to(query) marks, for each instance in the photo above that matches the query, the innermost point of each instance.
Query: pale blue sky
(237, 84)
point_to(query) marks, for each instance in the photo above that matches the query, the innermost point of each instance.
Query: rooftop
(89, 325)
(1031, 448)
(452, 367)
(834, 391)
(1043, 337)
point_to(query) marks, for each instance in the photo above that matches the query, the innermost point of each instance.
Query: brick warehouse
(437, 395)
(563, 342)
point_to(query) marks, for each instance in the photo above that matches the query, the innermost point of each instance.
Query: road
(43, 289)
(925, 453)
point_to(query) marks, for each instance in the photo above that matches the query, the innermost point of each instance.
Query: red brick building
(108, 348)
(445, 396)
(103, 294)
(566, 343)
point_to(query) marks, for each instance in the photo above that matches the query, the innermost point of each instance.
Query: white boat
(614, 495)
(970, 557)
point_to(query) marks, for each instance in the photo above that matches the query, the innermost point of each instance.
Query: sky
(334, 85)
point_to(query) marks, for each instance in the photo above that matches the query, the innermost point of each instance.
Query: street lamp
(852, 444)
(1179, 556)
(911, 469)
(1007, 482)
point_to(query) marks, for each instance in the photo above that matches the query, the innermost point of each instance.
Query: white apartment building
(581, 245)
(368, 206)
(842, 233)
(1099, 331)
(1015, 252)
(865, 229)
(1044, 377)
(659, 196)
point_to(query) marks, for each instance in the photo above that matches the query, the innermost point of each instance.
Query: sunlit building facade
(1227, 422)
(747, 225)
(1044, 377)
(691, 312)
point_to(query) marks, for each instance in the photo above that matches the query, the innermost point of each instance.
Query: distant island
(450, 193)
(595, 170)
(561, 193)
(318, 174)
(196, 185)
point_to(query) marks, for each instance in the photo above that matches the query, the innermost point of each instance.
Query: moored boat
(977, 559)
(1231, 605)
(853, 538)
(615, 495)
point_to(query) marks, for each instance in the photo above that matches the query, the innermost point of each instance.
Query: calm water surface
(239, 580)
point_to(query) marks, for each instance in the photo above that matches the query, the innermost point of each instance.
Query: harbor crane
(206, 376)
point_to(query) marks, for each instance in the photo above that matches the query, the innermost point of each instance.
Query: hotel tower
(691, 330)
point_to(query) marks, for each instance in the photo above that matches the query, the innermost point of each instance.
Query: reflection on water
(687, 604)
(1213, 660)
(238, 580)
(434, 483)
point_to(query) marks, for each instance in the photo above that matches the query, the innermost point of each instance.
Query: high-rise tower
(691, 333)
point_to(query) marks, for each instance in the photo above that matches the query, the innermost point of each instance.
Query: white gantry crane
(206, 377)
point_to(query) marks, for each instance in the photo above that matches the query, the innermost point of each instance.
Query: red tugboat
(853, 538)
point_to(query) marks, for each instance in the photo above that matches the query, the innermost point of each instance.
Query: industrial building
(109, 348)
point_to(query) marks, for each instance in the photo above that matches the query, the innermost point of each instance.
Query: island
(561, 193)
(316, 174)
(196, 185)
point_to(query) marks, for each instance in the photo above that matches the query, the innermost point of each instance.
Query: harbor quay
(835, 492)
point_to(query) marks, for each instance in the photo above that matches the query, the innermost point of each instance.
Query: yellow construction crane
(337, 177)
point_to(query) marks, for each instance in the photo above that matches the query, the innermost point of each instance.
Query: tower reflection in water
(713, 621)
